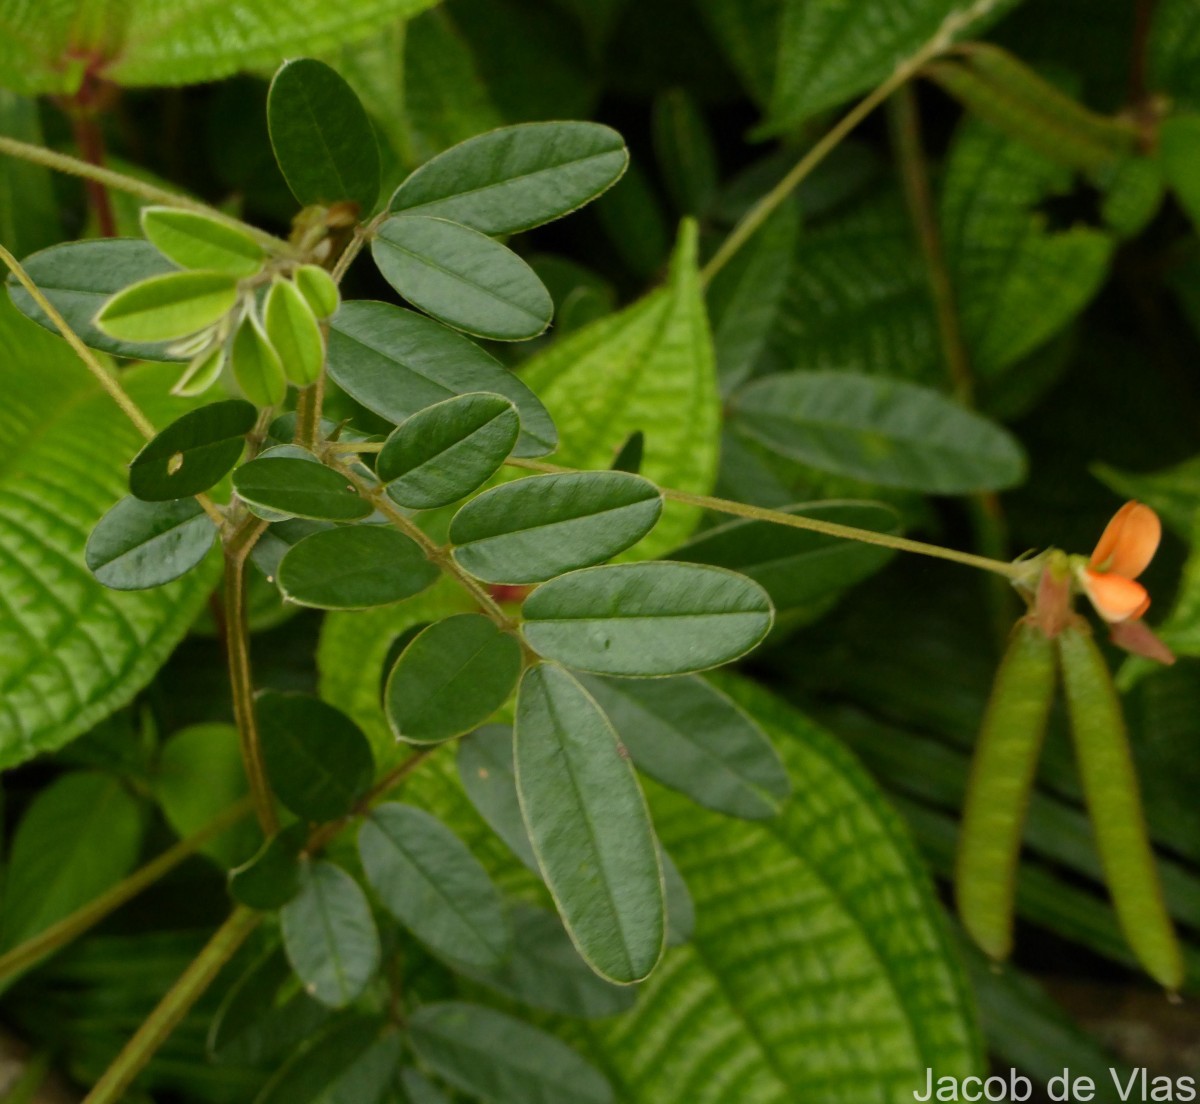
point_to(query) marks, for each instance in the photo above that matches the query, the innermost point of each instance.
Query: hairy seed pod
(1114, 804)
(1002, 773)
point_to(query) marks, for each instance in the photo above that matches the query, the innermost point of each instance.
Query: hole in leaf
(175, 463)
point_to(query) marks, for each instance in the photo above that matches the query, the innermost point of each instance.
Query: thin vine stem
(106, 379)
(109, 178)
(814, 525)
(238, 546)
(174, 1006)
(953, 25)
(58, 935)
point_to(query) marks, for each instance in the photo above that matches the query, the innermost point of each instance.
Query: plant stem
(58, 935)
(829, 528)
(174, 1006)
(237, 636)
(73, 166)
(308, 413)
(953, 25)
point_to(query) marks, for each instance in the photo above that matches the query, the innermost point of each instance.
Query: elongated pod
(1110, 789)
(989, 842)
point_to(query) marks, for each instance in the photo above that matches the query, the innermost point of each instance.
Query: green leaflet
(164, 308)
(462, 277)
(329, 934)
(453, 676)
(80, 277)
(148, 42)
(72, 653)
(536, 528)
(271, 877)
(349, 1062)
(318, 289)
(138, 545)
(882, 430)
(193, 240)
(754, 982)
(830, 51)
(79, 836)
(294, 333)
(515, 178)
(646, 619)
(427, 878)
(297, 487)
(487, 774)
(588, 825)
(501, 1060)
(396, 362)
(322, 137)
(648, 368)
(256, 364)
(193, 453)
(683, 147)
(1017, 282)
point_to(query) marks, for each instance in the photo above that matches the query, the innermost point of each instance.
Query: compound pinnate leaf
(500, 1060)
(353, 568)
(323, 140)
(72, 651)
(396, 362)
(85, 829)
(138, 545)
(329, 934)
(688, 735)
(649, 367)
(193, 240)
(80, 277)
(317, 759)
(256, 364)
(881, 430)
(516, 177)
(300, 488)
(193, 453)
(428, 879)
(451, 677)
(294, 333)
(164, 308)
(535, 528)
(646, 619)
(801, 570)
(462, 277)
(589, 825)
(447, 450)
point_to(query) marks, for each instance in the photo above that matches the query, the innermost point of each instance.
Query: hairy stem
(237, 549)
(58, 935)
(947, 33)
(174, 1007)
(74, 166)
(829, 528)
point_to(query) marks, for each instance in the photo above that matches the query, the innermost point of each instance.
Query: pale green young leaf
(880, 430)
(322, 138)
(138, 545)
(256, 364)
(686, 734)
(193, 453)
(501, 1060)
(354, 567)
(589, 826)
(193, 240)
(201, 373)
(76, 651)
(428, 879)
(396, 362)
(517, 177)
(298, 487)
(164, 308)
(294, 333)
(462, 277)
(646, 619)
(80, 277)
(444, 452)
(329, 934)
(453, 676)
(532, 529)
(648, 368)
(319, 290)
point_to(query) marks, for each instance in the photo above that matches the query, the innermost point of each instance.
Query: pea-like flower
(1109, 579)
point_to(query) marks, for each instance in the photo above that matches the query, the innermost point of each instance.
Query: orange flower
(1125, 549)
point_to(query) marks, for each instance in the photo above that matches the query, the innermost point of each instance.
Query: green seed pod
(1010, 741)
(1114, 804)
